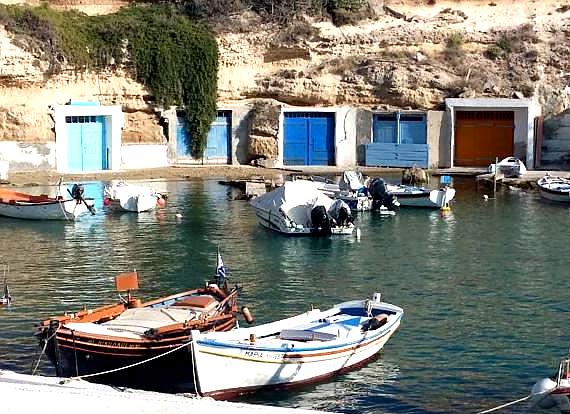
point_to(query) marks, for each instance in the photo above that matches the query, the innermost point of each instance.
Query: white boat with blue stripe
(305, 348)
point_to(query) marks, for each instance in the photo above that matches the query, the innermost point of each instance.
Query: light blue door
(308, 138)
(398, 140)
(86, 144)
(217, 145)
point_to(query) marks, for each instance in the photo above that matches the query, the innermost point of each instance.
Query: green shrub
(454, 41)
(454, 46)
(352, 5)
(175, 57)
(494, 52)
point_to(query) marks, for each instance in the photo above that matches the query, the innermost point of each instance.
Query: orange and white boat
(153, 336)
(42, 207)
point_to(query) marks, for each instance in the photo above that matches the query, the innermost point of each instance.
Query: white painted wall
(23, 156)
(114, 120)
(135, 156)
(345, 137)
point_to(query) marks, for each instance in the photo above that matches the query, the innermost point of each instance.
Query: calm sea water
(484, 288)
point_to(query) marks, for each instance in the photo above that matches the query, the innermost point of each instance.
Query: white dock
(20, 393)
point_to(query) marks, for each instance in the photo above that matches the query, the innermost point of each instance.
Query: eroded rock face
(401, 59)
(27, 92)
(264, 128)
(141, 127)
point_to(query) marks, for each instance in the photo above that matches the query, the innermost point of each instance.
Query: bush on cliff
(175, 57)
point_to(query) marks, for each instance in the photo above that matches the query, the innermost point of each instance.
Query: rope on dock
(490, 410)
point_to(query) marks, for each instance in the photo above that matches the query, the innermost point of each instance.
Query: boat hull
(134, 204)
(559, 197)
(229, 371)
(425, 199)
(52, 210)
(280, 224)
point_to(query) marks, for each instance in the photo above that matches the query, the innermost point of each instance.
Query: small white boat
(509, 167)
(298, 208)
(305, 348)
(120, 196)
(554, 392)
(25, 206)
(353, 191)
(411, 196)
(554, 188)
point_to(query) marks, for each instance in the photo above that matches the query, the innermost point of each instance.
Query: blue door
(308, 138)
(398, 140)
(217, 146)
(86, 143)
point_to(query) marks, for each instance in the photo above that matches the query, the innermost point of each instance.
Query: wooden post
(495, 177)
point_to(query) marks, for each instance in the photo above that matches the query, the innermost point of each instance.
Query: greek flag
(221, 270)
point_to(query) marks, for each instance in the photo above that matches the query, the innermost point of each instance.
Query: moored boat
(297, 208)
(121, 196)
(353, 190)
(554, 392)
(509, 167)
(411, 196)
(305, 348)
(42, 207)
(153, 334)
(6, 299)
(554, 188)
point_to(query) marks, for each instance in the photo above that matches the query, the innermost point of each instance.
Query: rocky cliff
(409, 55)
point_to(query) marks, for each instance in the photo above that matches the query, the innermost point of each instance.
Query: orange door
(480, 137)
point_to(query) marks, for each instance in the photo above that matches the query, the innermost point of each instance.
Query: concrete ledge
(51, 395)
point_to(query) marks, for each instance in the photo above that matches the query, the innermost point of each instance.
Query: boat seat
(202, 303)
(306, 335)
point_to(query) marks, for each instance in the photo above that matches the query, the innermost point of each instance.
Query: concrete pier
(20, 393)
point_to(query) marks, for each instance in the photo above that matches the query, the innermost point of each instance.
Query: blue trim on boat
(215, 344)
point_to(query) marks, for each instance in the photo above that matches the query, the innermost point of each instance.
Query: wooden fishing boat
(554, 188)
(25, 206)
(120, 196)
(302, 349)
(111, 337)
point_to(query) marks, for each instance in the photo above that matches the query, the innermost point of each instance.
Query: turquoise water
(483, 288)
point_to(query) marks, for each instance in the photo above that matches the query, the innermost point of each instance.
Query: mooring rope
(44, 348)
(131, 365)
(543, 394)
(490, 410)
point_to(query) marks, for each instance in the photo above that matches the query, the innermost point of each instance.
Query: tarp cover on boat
(296, 199)
(351, 181)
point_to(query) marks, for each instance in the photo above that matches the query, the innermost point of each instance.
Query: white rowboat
(305, 348)
(554, 188)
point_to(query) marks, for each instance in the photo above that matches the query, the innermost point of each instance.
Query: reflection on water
(483, 287)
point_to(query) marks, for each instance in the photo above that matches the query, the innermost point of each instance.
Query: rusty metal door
(480, 137)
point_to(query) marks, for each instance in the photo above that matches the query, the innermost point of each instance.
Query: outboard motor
(381, 196)
(320, 220)
(77, 192)
(341, 214)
